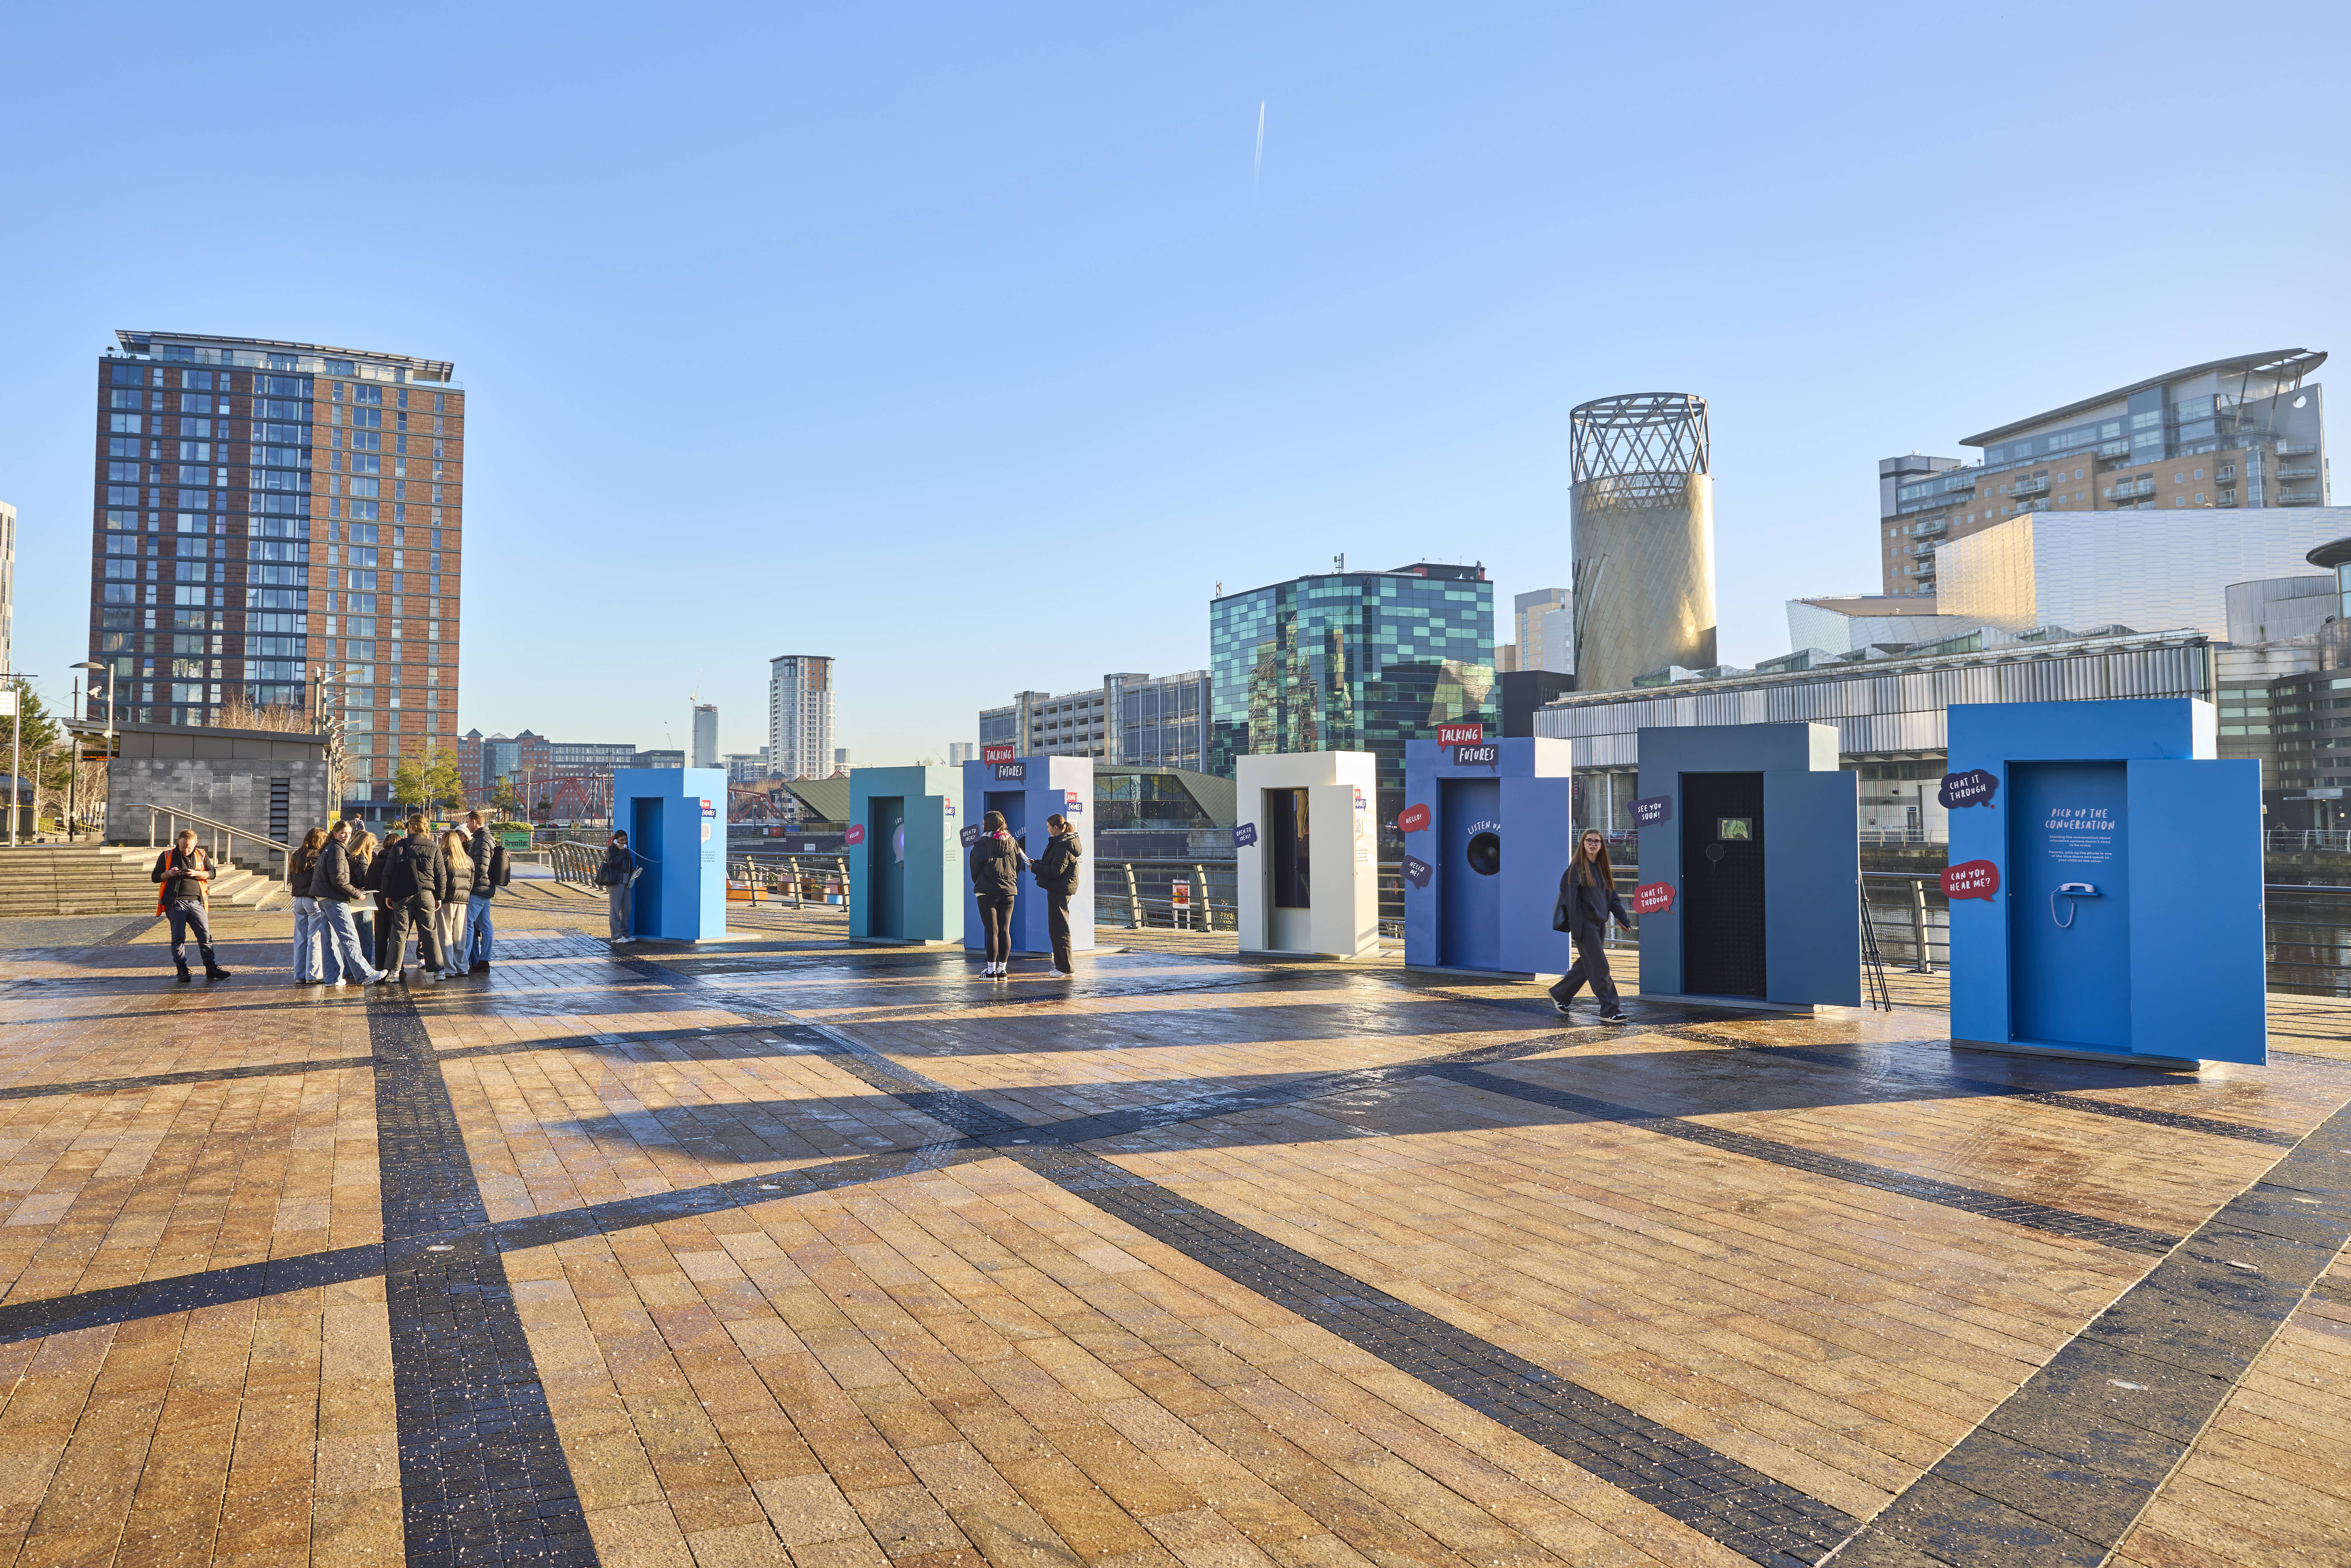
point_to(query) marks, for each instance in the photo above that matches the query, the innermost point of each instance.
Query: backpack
(500, 872)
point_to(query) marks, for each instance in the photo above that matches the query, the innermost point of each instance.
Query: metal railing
(220, 832)
(2290, 839)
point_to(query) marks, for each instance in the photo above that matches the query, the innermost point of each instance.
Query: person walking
(184, 873)
(361, 850)
(995, 861)
(449, 916)
(491, 873)
(1058, 869)
(617, 875)
(340, 896)
(1587, 898)
(414, 882)
(300, 867)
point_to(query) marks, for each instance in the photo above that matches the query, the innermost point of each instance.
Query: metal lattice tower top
(1640, 440)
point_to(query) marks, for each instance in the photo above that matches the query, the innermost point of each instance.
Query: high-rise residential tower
(279, 525)
(1544, 623)
(799, 715)
(705, 735)
(2245, 433)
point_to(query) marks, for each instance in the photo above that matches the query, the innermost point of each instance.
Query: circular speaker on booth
(1486, 853)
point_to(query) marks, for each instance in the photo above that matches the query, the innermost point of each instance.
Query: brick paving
(779, 1253)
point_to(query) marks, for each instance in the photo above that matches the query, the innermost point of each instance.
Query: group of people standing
(357, 903)
(995, 863)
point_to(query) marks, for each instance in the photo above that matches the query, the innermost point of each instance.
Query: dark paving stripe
(122, 937)
(482, 1475)
(185, 1292)
(1929, 1079)
(2062, 1469)
(207, 1075)
(1743, 1509)
(1949, 1195)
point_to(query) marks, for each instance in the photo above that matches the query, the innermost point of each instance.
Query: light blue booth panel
(2127, 919)
(904, 865)
(676, 822)
(1027, 790)
(1497, 837)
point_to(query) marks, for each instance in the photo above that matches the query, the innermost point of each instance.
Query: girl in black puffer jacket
(996, 862)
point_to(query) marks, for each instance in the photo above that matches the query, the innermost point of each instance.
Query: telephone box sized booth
(1306, 849)
(676, 822)
(1027, 790)
(1750, 873)
(2105, 883)
(1489, 826)
(904, 865)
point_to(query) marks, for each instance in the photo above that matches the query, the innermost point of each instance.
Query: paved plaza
(778, 1252)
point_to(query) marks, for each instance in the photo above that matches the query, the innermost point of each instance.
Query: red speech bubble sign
(1414, 819)
(1652, 898)
(1460, 733)
(1971, 879)
(856, 835)
(996, 754)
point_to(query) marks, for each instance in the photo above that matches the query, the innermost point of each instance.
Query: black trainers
(184, 976)
(1560, 1008)
(1615, 1015)
(214, 972)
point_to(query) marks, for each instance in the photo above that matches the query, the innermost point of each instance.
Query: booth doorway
(2069, 983)
(1469, 883)
(1722, 885)
(1014, 804)
(885, 864)
(1289, 863)
(645, 837)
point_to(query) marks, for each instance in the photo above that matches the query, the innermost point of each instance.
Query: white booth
(1307, 848)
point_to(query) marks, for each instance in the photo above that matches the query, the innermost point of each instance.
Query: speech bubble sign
(1649, 812)
(1486, 756)
(971, 835)
(1973, 787)
(1244, 835)
(1460, 733)
(1412, 819)
(996, 753)
(1652, 898)
(1971, 879)
(856, 835)
(1416, 871)
(1009, 772)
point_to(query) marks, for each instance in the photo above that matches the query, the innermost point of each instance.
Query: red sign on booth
(1971, 879)
(1460, 733)
(1652, 898)
(856, 835)
(996, 754)
(1414, 819)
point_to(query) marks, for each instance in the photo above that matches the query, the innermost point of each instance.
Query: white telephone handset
(2069, 890)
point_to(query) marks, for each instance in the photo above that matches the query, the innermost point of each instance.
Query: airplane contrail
(1257, 172)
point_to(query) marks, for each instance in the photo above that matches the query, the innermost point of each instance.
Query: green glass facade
(1357, 660)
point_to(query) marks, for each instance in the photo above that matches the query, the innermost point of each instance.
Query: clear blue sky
(967, 345)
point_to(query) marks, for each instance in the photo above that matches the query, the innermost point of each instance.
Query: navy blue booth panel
(1488, 840)
(2071, 951)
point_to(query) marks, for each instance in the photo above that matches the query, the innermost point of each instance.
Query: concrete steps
(89, 879)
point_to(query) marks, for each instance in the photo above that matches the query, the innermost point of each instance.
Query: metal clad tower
(1644, 521)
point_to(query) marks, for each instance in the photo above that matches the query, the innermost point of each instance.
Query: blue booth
(1749, 886)
(676, 822)
(2105, 882)
(1027, 790)
(1489, 826)
(904, 865)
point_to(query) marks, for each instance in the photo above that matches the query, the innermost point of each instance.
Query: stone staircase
(110, 879)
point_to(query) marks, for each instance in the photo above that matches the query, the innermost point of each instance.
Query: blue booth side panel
(1541, 814)
(1661, 861)
(1978, 928)
(1812, 888)
(2199, 975)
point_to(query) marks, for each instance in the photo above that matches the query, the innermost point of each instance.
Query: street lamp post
(93, 666)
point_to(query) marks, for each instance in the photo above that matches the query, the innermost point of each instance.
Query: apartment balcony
(1930, 531)
(2113, 449)
(2298, 471)
(2224, 497)
(2298, 498)
(2297, 449)
(2027, 486)
(2130, 491)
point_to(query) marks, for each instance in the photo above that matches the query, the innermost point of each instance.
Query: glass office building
(1361, 661)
